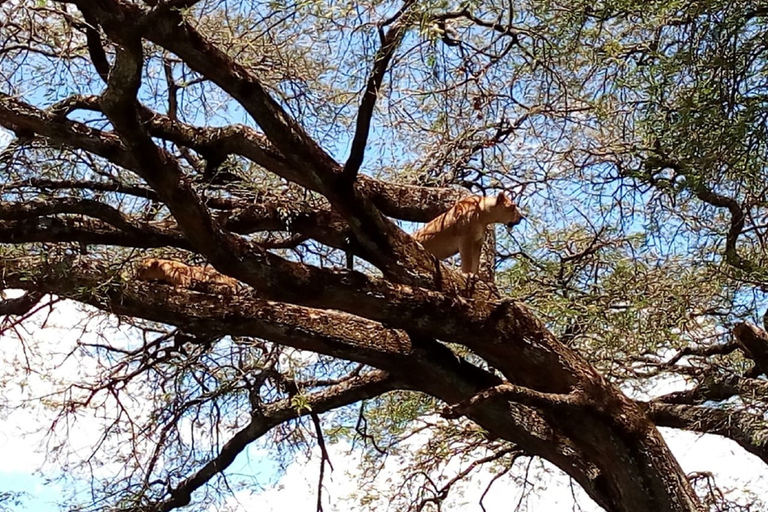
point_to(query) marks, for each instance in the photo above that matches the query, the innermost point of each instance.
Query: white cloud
(38, 360)
(735, 470)
(534, 487)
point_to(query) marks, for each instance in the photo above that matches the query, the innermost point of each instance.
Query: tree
(638, 129)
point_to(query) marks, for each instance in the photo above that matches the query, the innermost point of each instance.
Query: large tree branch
(528, 355)
(229, 255)
(406, 202)
(384, 244)
(35, 221)
(418, 363)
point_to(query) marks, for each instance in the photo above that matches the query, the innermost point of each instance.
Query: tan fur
(462, 228)
(176, 273)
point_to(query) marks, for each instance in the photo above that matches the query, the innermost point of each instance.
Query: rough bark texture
(559, 408)
(754, 343)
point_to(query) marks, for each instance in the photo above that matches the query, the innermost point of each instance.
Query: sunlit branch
(754, 343)
(384, 244)
(515, 393)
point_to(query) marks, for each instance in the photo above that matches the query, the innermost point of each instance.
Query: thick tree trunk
(754, 342)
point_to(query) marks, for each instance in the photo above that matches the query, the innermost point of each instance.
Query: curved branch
(37, 208)
(96, 51)
(31, 221)
(104, 186)
(705, 194)
(389, 44)
(529, 354)
(754, 343)
(359, 388)
(87, 232)
(747, 429)
(227, 253)
(397, 255)
(702, 351)
(518, 394)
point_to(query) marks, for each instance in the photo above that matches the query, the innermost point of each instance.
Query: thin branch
(360, 388)
(389, 44)
(324, 457)
(440, 494)
(173, 112)
(715, 350)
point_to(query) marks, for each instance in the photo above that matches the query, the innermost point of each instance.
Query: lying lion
(176, 273)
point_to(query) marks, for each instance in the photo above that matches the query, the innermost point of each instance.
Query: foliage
(226, 133)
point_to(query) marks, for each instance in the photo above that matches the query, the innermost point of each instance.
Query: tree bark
(559, 408)
(550, 401)
(754, 343)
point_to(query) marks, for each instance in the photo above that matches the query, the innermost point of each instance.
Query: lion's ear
(500, 199)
